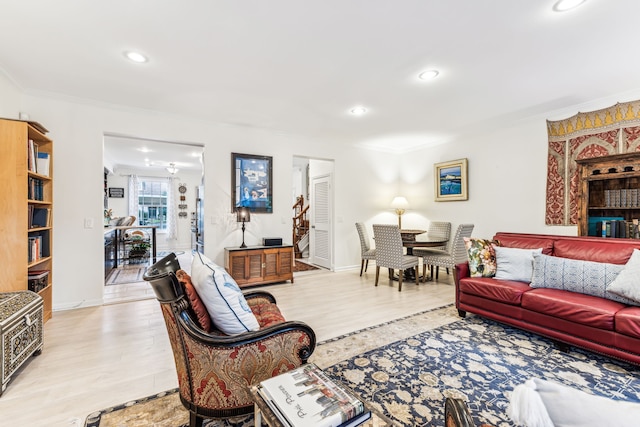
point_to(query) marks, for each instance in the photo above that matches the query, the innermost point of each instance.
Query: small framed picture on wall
(451, 180)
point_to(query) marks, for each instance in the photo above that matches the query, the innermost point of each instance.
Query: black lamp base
(243, 245)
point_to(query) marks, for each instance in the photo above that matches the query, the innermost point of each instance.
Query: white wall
(10, 96)
(77, 129)
(507, 174)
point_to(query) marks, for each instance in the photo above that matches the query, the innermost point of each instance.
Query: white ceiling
(299, 66)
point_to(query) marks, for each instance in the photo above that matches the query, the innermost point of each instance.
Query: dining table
(409, 241)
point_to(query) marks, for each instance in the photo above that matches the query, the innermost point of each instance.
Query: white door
(321, 226)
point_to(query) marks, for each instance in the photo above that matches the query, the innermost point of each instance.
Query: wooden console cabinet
(609, 187)
(259, 265)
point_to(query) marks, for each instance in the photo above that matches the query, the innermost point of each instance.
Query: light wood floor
(98, 357)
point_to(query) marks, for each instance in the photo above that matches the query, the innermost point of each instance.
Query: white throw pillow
(515, 263)
(627, 284)
(222, 297)
(568, 407)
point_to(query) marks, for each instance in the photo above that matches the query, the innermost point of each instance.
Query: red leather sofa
(597, 324)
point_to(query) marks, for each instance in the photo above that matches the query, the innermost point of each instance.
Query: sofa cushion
(505, 291)
(628, 321)
(627, 284)
(196, 303)
(514, 263)
(598, 250)
(585, 277)
(570, 306)
(482, 256)
(222, 296)
(526, 241)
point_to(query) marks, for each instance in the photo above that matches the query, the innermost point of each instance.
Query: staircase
(300, 227)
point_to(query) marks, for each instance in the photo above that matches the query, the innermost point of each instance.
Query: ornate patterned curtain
(612, 130)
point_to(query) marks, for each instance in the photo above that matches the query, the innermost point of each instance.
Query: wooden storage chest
(21, 331)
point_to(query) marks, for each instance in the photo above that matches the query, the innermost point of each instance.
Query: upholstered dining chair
(216, 370)
(366, 252)
(439, 230)
(455, 253)
(390, 252)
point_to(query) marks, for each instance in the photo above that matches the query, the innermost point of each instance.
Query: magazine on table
(306, 396)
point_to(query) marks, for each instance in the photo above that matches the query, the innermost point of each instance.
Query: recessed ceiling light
(428, 75)
(358, 111)
(135, 57)
(564, 5)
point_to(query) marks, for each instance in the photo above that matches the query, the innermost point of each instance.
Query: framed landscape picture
(251, 182)
(451, 180)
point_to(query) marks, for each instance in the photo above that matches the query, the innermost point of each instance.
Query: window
(152, 202)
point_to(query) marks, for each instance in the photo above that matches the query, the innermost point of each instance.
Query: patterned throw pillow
(627, 284)
(583, 277)
(194, 299)
(222, 296)
(482, 256)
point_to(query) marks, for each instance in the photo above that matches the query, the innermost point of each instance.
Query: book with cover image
(306, 396)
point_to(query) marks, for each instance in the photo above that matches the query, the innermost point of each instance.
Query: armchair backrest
(162, 278)
(389, 250)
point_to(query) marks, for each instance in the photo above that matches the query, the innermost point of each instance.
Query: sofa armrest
(461, 271)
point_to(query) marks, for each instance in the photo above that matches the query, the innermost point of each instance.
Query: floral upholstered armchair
(215, 370)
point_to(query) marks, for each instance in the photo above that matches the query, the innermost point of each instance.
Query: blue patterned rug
(480, 361)
(408, 380)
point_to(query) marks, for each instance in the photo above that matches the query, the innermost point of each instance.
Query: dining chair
(366, 252)
(455, 253)
(390, 252)
(439, 230)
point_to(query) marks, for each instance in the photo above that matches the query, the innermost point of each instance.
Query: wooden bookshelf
(609, 187)
(28, 247)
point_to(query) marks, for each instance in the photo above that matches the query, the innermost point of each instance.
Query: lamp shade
(400, 203)
(243, 214)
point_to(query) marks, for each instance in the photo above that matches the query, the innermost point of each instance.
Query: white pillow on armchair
(540, 403)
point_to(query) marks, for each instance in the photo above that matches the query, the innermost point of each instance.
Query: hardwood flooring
(97, 357)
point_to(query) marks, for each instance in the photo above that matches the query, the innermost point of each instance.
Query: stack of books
(307, 397)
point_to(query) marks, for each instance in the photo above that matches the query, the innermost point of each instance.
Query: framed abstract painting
(451, 181)
(252, 182)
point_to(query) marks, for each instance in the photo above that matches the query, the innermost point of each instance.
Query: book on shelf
(614, 228)
(42, 163)
(306, 396)
(39, 217)
(35, 189)
(32, 155)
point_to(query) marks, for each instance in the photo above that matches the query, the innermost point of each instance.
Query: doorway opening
(312, 202)
(160, 184)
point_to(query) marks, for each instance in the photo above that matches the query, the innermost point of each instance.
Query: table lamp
(243, 215)
(400, 204)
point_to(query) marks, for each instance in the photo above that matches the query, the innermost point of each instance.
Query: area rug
(128, 273)
(303, 266)
(407, 367)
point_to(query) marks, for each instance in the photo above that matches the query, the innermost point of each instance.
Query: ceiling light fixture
(564, 5)
(358, 111)
(172, 169)
(428, 75)
(135, 57)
